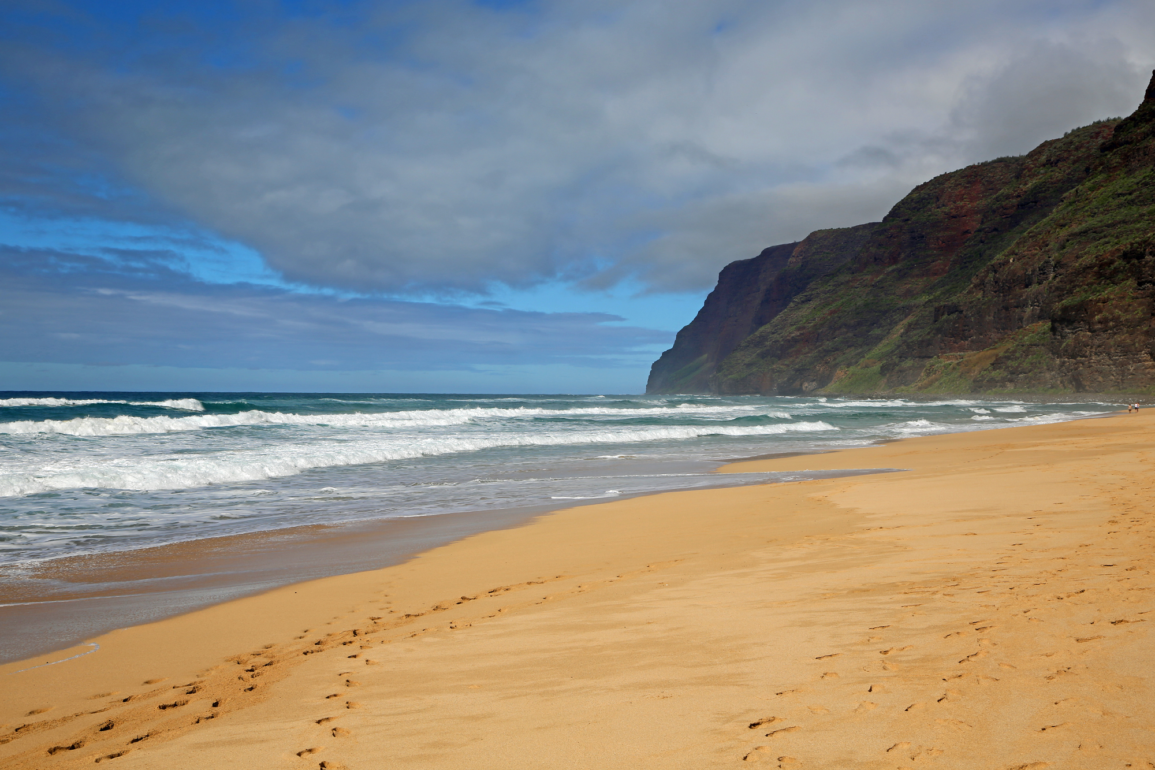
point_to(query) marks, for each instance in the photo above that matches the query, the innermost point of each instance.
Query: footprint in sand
(765, 721)
(865, 706)
(72, 747)
(307, 752)
(783, 731)
(112, 756)
(340, 732)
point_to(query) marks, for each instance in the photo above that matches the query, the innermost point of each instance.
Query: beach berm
(991, 605)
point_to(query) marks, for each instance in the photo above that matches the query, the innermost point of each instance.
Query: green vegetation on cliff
(1034, 273)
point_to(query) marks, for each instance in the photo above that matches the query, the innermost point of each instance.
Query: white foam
(1044, 419)
(123, 425)
(895, 403)
(182, 471)
(1011, 409)
(918, 426)
(187, 404)
(891, 403)
(608, 493)
(12, 402)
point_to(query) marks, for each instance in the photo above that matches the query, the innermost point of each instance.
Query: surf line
(93, 645)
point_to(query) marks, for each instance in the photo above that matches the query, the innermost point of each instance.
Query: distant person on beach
(1130, 408)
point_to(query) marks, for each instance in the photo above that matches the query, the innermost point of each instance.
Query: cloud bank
(135, 308)
(445, 147)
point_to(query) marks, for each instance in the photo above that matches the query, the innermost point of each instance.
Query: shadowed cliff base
(1023, 274)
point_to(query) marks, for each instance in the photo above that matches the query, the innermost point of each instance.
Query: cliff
(1034, 273)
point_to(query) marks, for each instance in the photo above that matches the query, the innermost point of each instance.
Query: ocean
(94, 473)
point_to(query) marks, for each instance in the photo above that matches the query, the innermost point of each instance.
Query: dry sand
(991, 607)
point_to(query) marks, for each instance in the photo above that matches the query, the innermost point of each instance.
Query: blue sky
(476, 196)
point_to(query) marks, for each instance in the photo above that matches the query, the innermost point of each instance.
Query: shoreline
(75, 598)
(55, 604)
(1000, 587)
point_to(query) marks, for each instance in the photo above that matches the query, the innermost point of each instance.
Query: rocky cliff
(1034, 273)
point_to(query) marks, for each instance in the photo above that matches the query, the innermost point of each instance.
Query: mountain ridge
(1033, 273)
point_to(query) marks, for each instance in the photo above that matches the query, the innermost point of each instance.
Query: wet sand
(58, 603)
(988, 607)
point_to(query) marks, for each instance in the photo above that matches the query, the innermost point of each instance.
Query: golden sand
(989, 607)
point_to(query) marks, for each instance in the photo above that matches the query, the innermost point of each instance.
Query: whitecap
(187, 404)
(130, 425)
(182, 471)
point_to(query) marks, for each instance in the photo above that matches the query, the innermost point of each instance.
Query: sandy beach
(987, 607)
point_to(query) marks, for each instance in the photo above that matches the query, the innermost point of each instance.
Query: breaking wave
(187, 404)
(124, 425)
(184, 471)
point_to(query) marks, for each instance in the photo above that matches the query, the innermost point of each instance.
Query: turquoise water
(99, 472)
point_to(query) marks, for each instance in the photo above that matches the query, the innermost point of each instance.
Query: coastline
(670, 623)
(52, 603)
(58, 603)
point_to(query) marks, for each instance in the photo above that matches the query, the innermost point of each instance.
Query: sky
(476, 196)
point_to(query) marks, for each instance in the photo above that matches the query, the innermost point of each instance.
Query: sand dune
(991, 606)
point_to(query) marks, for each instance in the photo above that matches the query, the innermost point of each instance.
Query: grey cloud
(590, 141)
(68, 308)
(1046, 89)
(700, 238)
(870, 156)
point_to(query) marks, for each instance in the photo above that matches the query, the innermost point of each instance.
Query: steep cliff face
(1034, 273)
(729, 315)
(750, 293)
